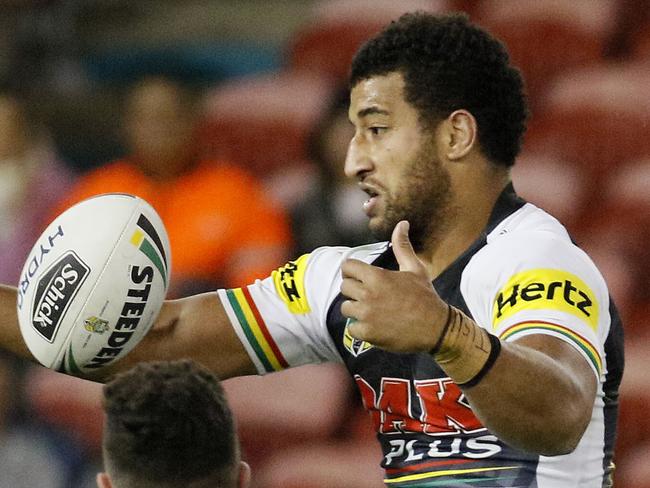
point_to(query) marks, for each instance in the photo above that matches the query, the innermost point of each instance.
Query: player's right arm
(11, 339)
(195, 327)
(272, 324)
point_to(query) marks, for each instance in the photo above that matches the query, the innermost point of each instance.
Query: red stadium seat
(284, 409)
(548, 37)
(641, 45)
(328, 41)
(262, 122)
(631, 37)
(634, 470)
(615, 231)
(68, 403)
(556, 185)
(382, 11)
(327, 49)
(597, 118)
(324, 465)
(633, 443)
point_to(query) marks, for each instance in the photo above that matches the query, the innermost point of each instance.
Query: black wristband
(436, 348)
(492, 357)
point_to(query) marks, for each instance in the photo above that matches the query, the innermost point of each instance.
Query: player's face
(395, 160)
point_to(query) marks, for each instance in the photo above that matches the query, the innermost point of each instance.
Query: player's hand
(396, 310)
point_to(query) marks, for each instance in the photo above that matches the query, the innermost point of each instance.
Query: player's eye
(377, 130)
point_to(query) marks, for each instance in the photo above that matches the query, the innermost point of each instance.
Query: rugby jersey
(522, 276)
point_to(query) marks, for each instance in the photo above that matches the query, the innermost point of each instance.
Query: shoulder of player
(321, 268)
(310, 283)
(527, 222)
(531, 238)
(333, 256)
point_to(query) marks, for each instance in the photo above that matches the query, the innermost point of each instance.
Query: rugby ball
(94, 283)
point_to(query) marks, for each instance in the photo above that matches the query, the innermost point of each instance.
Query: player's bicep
(570, 361)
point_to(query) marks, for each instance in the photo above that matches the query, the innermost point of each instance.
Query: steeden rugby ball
(94, 283)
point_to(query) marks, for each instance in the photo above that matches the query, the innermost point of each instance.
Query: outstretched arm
(11, 339)
(196, 327)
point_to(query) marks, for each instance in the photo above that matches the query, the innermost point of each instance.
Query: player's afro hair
(450, 64)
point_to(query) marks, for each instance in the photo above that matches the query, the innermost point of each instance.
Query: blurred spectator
(330, 213)
(31, 181)
(30, 454)
(223, 230)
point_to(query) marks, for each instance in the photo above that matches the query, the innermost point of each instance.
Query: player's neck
(466, 219)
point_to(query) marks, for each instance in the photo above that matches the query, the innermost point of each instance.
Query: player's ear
(459, 134)
(104, 481)
(244, 475)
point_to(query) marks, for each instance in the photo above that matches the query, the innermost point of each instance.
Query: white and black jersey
(522, 276)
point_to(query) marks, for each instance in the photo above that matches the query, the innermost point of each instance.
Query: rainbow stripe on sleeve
(589, 350)
(256, 331)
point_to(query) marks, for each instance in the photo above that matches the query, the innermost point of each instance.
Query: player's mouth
(369, 206)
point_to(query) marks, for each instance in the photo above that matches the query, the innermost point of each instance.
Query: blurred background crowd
(230, 117)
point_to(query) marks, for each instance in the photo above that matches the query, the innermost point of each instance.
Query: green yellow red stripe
(447, 472)
(583, 343)
(265, 331)
(255, 330)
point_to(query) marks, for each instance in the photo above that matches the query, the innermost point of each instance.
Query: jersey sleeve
(539, 283)
(281, 320)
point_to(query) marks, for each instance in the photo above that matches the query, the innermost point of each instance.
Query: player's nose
(357, 161)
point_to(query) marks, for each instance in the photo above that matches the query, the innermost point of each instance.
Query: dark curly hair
(449, 64)
(167, 425)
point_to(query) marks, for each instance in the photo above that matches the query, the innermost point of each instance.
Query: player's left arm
(536, 393)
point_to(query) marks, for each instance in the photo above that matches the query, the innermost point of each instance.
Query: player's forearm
(10, 337)
(196, 327)
(531, 400)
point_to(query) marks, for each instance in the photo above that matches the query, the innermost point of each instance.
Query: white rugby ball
(94, 283)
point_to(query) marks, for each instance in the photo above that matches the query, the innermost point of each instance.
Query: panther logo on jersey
(354, 346)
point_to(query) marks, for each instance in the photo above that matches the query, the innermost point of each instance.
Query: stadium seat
(597, 118)
(288, 408)
(631, 37)
(634, 470)
(324, 465)
(641, 45)
(553, 184)
(382, 11)
(68, 403)
(262, 122)
(634, 422)
(617, 233)
(327, 49)
(547, 37)
(327, 42)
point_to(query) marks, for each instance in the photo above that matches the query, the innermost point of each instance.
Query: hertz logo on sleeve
(289, 281)
(551, 289)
